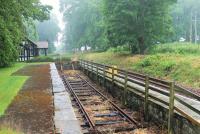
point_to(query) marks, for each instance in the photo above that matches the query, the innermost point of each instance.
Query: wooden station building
(30, 49)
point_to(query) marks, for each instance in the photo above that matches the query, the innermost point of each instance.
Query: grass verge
(51, 58)
(178, 62)
(8, 131)
(10, 85)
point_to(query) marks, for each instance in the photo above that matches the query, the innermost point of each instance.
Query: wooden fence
(166, 88)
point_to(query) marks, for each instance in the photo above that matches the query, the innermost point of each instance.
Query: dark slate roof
(42, 44)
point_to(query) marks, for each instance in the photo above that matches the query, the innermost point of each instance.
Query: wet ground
(32, 109)
(147, 128)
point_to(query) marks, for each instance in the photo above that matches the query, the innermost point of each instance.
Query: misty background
(78, 24)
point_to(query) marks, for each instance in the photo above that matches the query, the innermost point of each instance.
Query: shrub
(155, 65)
(176, 48)
(148, 61)
(119, 49)
(50, 59)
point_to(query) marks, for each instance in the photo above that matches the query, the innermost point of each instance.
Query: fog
(59, 16)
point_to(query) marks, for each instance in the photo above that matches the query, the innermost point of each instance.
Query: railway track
(99, 114)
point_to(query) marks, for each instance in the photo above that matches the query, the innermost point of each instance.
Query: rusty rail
(91, 124)
(80, 87)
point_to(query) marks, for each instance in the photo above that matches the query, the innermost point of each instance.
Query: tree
(185, 13)
(84, 24)
(139, 23)
(13, 14)
(48, 31)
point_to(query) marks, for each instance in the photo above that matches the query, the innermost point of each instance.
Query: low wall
(157, 112)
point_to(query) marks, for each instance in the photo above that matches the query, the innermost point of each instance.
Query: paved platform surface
(65, 119)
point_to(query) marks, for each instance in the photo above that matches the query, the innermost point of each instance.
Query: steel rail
(79, 103)
(113, 104)
(93, 128)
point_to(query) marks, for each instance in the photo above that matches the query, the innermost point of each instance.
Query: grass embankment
(179, 62)
(52, 58)
(8, 131)
(9, 87)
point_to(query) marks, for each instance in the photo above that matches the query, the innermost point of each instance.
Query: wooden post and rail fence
(165, 88)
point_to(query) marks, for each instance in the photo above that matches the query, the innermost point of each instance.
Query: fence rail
(169, 89)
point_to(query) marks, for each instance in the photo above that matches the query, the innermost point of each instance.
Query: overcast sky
(56, 6)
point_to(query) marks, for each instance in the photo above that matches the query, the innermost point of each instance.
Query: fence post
(97, 69)
(104, 75)
(171, 109)
(61, 67)
(92, 67)
(146, 114)
(112, 77)
(84, 67)
(87, 67)
(125, 87)
(81, 65)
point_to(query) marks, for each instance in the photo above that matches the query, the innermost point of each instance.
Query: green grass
(176, 48)
(8, 131)
(51, 58)
(180, 62)
(9, 85)
(183, 69)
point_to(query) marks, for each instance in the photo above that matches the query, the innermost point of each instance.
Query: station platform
(64, 118)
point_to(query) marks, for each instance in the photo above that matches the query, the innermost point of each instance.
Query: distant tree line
(48, 31)
(101, 24)
(186, 20)
(44, 31)
(14, 16)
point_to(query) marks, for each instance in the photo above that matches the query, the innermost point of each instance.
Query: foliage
(177, 48)
(13, 14)
(153, 62)
(51, 58)
(31, 30)
(184, 13)
(84, 25)
(41, 59)
(9, 85)
(119, 49)
(48, 31)
(183, 68)
(137, 23)
(8, 131)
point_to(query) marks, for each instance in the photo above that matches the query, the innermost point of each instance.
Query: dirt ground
(149, 128)
(32, 109)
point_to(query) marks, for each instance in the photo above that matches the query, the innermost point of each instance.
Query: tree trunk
(191, 26)
(85, 47)
(195, 28)
(141, 45)
(133, 49)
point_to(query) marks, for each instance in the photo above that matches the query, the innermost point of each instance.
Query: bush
(148, 61)
(50, 59)
(119, 49)
(155, 65)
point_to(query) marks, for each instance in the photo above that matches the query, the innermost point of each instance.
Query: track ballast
(99, 113)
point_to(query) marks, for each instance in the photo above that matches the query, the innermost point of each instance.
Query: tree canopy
(13, 16)
(112, 23)
(84, 19)
(48, 31)
(186, 19)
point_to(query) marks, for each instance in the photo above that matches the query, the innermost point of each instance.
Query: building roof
(42, 44)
